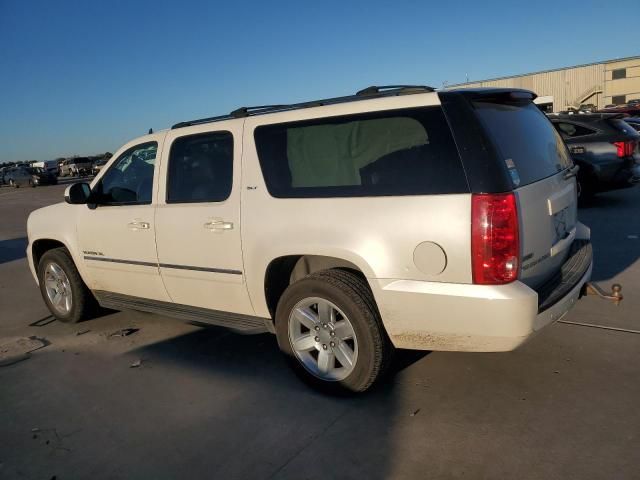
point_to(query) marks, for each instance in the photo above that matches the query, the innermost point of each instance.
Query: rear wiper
(571, 172)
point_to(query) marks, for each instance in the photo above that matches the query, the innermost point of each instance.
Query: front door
(198, 219)
(117, 237)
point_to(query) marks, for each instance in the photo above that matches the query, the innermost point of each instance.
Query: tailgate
(539, 168)
(548, 217)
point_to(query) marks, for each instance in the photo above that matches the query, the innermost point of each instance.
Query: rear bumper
(476, 318)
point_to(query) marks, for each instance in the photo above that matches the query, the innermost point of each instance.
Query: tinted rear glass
(530, 146)
(398, 152)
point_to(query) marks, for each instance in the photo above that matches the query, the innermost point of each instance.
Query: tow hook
(614, 296)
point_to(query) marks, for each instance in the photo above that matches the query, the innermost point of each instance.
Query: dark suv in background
(634, 122)
(605, 148)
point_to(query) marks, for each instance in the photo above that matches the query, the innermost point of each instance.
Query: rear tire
(330, 331)
(81, 304)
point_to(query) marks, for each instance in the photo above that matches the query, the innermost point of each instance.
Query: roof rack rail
(376, 89)
(200, 121)
(369, 92)
(246, 111)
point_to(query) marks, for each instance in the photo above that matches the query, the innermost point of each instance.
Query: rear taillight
(625, 149)
(495, 243)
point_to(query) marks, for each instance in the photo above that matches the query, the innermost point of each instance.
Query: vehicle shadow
(13, 249)
(614, 220)
(285, 426)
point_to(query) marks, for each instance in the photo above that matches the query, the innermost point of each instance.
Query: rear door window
(530, 146)
(200, 168)
(398, 152)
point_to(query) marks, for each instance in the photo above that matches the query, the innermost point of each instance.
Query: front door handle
(138, 225)
(218, 225)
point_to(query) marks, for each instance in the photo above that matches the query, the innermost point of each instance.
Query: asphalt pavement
(165, 399)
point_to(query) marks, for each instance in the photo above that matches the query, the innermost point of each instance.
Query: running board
(233, 321)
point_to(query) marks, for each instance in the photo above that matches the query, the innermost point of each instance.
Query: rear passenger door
(198, 218)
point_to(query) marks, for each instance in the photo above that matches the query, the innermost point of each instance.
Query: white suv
(394, 218)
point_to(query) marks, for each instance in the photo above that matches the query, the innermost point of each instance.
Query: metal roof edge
(602, 62)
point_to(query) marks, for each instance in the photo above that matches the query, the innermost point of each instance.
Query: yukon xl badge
(87, 252)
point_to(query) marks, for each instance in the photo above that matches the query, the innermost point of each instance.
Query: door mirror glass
(77, 194)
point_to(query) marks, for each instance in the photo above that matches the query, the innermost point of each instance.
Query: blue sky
(84, 77)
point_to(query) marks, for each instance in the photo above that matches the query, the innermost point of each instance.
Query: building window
(619, 73)
(619, 99)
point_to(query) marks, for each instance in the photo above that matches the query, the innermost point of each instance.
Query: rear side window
(530, 146)
(569, 130)
(398, 152)
(200, 168)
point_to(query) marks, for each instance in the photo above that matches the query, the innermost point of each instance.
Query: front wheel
(329, 328)
(62, 288)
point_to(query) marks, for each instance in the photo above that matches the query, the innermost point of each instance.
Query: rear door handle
(139, 225)
(218, 225)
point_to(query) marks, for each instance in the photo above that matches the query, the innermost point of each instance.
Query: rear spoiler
(497, 95)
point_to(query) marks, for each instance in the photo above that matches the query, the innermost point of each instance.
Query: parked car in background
(398, 217)
(40, 176)
(75, 167)
(631, 108)
(48, 165)
(98, 164)
(605, 148)
(19, 176)
(634, 122)
(3, 171)
(23, 176)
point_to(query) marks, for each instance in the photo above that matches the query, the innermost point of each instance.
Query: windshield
(530, 146)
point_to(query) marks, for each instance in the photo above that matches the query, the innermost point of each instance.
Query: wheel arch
(284, 270)
(41, 246)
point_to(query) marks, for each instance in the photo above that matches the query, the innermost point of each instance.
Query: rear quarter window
(526, 140)
(570, 130)
(398, 152)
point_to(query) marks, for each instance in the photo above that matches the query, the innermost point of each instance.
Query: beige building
(611, 82)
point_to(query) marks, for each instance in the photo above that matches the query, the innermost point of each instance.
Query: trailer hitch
(614, 296)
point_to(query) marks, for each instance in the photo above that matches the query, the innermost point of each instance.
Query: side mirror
(77, 193)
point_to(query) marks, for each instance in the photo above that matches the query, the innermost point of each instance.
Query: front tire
(62, 288)
(330, 331)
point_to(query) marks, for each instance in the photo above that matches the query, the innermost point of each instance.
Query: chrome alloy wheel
(58, 288)
(323, 339)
